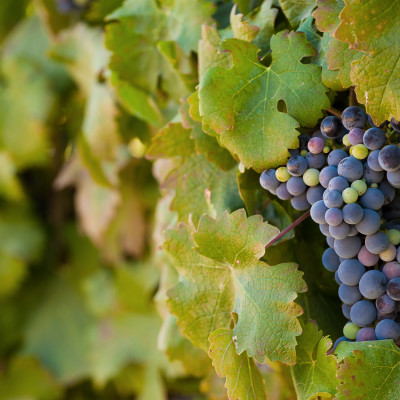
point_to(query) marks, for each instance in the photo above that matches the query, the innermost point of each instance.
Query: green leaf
(314, 373)
(369, 370)
(372, 27)
(327, 14)
(297, 10)
(242, 29)
(99, 9)
(243, 379)
(223, 275)
(25, 378)
(240, 103)
(10, 14)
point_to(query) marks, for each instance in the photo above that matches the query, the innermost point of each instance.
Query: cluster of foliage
(132, 223)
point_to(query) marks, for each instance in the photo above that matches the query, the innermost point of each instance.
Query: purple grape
(338, 184)
(324, 228)
(393, 289)
(385, 305)
(318, 211)
(370, 223)
(326, 175)
(297, 165)
(367, 258)
(376, 243)
(356, 136)
(340, 231)
(332, 199)
(330, 260)
(387, 329)
(363, 313)
(353, 213)
(394, 178)
(300, 203)
(315, 160)
(296, 186)
(314, 194)
(351, 271)
(316, 145)
(348, 247)
(337, 279)
(366, 335)
(374, 139)
(380, 316)
(391, 270)
(331, 127)
(268, 180)
(349, 294)
(330, 240)
(346, 310)
(335, 156)
(354, 117)
(395, 124)
(282, 192)
(340, 340)
(373, 284)
(372, 176)
(389, 158)
(350, 168)
(333, 217)
(373, 161)
(388, 192)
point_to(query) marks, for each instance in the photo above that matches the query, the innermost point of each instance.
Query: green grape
(303, 153)
(346, 141)
(350, 195)
(326, 149)
(360, 186)
(393, 236)
(359, 151)
(282, 174)
(311, 177)
(350, 330)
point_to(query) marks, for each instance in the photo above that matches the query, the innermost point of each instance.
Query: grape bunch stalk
(347, 174)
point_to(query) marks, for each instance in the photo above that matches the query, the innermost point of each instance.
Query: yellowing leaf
(223, 275)
(372, 27)
(240, 103)
(243, 380)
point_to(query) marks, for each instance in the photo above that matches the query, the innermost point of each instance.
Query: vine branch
(289, 228)
(334, 111)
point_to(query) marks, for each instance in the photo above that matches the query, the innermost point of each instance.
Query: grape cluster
(347, 176)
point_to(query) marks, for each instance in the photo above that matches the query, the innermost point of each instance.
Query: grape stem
(289, 228)
(333, 111)
(352, 97)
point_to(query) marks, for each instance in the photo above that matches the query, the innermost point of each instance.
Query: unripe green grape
(350, 330)
(359, 151)
(350, 195)
(374, 185)
(345, 140)
(282, 174)
(389, 254)
(393, 236)
(326, 149)
(311, 177)
(360, 186)
(303, 153)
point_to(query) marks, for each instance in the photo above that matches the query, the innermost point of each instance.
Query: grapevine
(199, 200)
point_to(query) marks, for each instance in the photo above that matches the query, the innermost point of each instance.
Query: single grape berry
(387, 329)
(389, 158)
(316, 145)
(363, 313)
(282, 192)
(336, 156)
(340, 231)
(393, 289)
(374, 138)
(395, 124)
(314, 194)
(394, 178)
(393, 236)
(346, 141)
(372, 284)
(388, 192)
(370, 222)
(373, 161)
(282, 174)
(351, 271)
(333, 216)
(385, 305)
(360, 186)
(338, 183)
(376, 243)
(300, 203)
(391, 270)
(318, 211)
(331, 127)
(368, 259)
(366, 335)
(356, 136)
(340, 340)
(348, 247)
(389, 254)
(359, 151)
(326, 175)
(350, 195)
(372, 199)
(332, 198)
(352, 213)
(268, 180)
(330, 260)
(311, 177)
(297, 165)
(351, 169)
(349, 294)
(354, 117)
(295, 186)
(350, 330)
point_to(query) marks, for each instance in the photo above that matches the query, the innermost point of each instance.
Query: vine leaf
(297, 10)
(243, 379)
(327, 14)
(314, 373)
(372, 27)
(241, 103)
(224, 275)
(369, 370)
